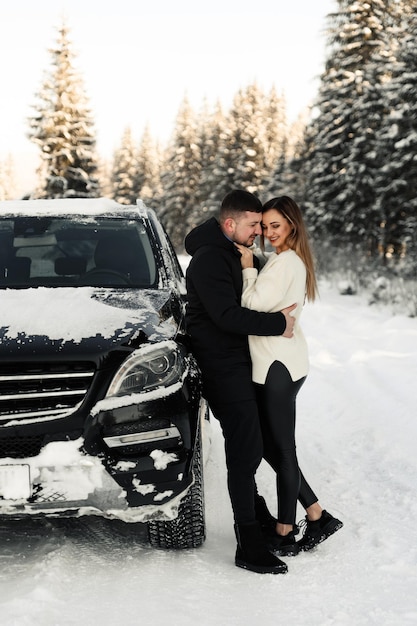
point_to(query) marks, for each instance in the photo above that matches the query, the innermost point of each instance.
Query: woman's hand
(246, 258)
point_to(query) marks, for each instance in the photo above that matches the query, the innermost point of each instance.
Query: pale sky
(139, 59)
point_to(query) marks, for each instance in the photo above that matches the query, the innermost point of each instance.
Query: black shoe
(317, 531)
(282, 545)
(262, 514)
(252, 553)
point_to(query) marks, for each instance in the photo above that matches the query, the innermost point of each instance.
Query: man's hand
(290, 321)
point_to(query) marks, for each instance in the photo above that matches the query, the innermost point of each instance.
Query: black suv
(100, 398)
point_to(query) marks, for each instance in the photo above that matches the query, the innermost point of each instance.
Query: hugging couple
(243, 310)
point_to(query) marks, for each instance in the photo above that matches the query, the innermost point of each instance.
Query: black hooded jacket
(216, 322)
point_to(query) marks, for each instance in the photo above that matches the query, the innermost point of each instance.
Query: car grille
(21, 447)
(31, 392)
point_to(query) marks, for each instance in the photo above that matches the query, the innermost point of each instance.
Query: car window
(60, 251)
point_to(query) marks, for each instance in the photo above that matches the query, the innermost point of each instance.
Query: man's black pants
(243, 447)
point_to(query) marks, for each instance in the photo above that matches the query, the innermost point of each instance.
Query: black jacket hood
(208, 234)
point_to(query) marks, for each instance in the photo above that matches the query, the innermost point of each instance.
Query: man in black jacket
(219, 327)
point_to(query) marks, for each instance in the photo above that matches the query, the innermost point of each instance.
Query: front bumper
(128, 465)
(80, 485)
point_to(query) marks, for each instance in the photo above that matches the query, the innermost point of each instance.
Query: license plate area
(15, 482)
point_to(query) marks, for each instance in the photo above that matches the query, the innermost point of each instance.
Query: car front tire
(188, 529)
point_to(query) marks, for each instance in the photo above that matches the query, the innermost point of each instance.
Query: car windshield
(57, 251)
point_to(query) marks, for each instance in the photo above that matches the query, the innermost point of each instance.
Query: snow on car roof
(70, 207)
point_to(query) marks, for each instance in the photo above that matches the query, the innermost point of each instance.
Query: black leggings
(276, 402)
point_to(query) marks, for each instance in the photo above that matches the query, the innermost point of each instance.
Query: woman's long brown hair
(298, 239)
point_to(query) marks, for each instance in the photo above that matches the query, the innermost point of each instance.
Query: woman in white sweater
(280, 366)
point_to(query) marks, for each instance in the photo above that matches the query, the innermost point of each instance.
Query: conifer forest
(350, 160)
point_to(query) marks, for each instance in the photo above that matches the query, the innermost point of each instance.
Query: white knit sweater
(280, 283)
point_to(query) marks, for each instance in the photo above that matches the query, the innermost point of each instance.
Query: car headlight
(149, 368)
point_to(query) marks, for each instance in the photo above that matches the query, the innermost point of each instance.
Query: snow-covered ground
(357, 433)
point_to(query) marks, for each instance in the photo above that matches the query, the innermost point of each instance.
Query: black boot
(282, 545)
(252, 553)
(262, 514)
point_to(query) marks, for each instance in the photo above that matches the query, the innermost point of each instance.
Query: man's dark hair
(239, 201)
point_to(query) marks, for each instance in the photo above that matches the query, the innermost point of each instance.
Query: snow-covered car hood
(74, 319)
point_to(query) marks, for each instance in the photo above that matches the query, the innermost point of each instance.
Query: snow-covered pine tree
(241, 148)
(62, 127)
(242, 155)
(223, 168)
(104, 173)
(248, 145)
(397, 180)
(180, 176)
(342, 140)
(124, 177)
(289, 175)
(148, 172)
(210, 131)
(276, 140)
(7, 179)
